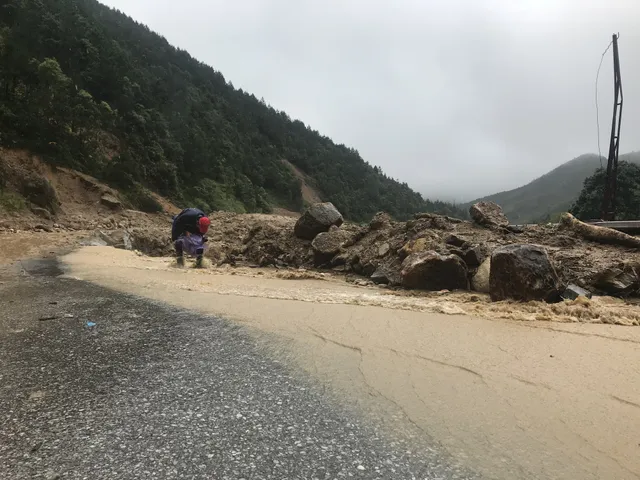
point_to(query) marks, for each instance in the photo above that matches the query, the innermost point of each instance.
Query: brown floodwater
(505, 390)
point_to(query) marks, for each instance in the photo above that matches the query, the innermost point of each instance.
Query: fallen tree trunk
(598, 234)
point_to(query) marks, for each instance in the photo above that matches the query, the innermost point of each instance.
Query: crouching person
(188, 234)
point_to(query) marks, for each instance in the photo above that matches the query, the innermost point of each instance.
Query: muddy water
(511, 399)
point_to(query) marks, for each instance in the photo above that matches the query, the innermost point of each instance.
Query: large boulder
(317, 219)
(111, 201)
(429, 270)
(480, 280)
(523, 273)
(387, 273)
(380, 276)
(326, 245)
(488, 214)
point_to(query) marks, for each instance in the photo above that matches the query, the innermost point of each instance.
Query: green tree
(588, 206)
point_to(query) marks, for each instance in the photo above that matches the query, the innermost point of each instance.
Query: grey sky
(459, 98)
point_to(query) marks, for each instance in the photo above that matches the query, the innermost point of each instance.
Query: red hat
(203, 224)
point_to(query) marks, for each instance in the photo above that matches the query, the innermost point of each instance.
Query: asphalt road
(116, 387)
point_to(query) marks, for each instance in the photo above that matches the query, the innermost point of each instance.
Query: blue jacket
(186, 221)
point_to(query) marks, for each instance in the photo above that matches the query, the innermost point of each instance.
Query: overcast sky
(459, 98)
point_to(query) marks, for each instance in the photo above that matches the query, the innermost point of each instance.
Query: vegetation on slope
(87, 87)
(588, 206)
(553, 193)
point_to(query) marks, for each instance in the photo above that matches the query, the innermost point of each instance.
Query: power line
(597, 110)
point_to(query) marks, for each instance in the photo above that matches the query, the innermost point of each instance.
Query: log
(598, 234)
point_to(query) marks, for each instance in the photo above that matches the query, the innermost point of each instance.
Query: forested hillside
(87, 87)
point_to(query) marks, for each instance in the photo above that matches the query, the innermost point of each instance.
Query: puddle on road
(46, 267)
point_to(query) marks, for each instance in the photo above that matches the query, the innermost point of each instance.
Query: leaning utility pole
(609, 201)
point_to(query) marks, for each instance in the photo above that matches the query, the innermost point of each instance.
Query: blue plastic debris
(91, 324)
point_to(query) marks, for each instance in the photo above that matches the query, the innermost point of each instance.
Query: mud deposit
(512, 399)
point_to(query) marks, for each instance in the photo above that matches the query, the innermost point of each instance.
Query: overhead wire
(597, 109)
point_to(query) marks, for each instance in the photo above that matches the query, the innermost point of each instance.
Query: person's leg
(194, 245)
(179, 251)
(199, 255)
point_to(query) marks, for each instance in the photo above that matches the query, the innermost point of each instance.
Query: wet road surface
(96, 384)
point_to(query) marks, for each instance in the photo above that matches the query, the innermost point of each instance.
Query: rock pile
(427, 252)
(433, 252)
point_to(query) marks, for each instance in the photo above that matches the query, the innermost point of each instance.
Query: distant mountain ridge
(553, 192)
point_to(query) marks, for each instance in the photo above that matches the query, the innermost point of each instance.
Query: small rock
(44, 228)
(368, 269)
(414, 246)
(380, 277)
(456, 241)
(517, 229)
(572, 292)
(524, 273)
(110, 201)
(317, 219)
(431, 271)
(383, 249)
(340, 260)
(453, 251)
(387, 273)
(488, 214)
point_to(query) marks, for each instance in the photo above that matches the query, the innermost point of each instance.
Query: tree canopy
(86, 86)
(588, 206)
